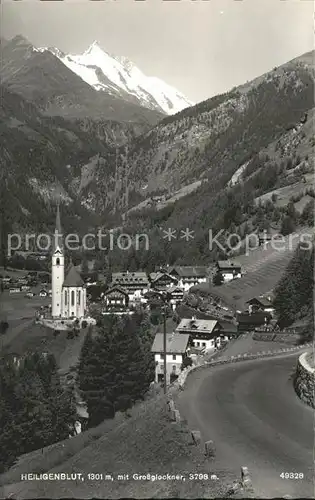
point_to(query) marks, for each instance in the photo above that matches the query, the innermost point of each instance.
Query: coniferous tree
(8, 378)
(294, 292)
(97, 376)
(131, 365)
(116, 367)
(33, 418)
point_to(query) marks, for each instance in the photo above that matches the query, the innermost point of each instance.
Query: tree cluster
(35, 410)
(294, 292)
(116, 366)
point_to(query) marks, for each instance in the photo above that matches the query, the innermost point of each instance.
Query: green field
(263, 267)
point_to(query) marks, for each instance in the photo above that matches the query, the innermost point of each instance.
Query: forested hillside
(239, 146)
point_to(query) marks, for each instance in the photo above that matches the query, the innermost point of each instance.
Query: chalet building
(188, 276)
(227, 329)
(229, 270)
(134, 283)
(203, 332)
(176, 295)
(249, 322)
(260, 304)
(176, 351)
(116, 299)
(207, 334)
(161, 281)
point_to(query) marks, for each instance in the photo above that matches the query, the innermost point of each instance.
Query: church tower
(57, 269)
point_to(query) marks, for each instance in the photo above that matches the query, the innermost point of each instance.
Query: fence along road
(251, 412)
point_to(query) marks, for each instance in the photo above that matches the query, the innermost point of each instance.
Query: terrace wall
(305, 379)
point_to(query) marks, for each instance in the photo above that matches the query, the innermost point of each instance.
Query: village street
(254, 417)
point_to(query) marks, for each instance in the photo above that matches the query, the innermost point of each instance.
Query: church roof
(73, 278)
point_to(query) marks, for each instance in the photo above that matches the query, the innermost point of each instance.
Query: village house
(188, 276)
(207, 334)
(136, 284)
(176, 351)
(227, 330)
(176, 295)
(249, 322)
(161, 281)
(260, 304)
(116, 299)
(229, 270)
(203, 332)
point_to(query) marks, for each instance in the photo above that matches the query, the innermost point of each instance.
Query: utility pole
(164, 345)
(165, 297)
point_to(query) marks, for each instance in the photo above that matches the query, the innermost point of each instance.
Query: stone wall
(285, 337)
(305, 380)
(181, 381)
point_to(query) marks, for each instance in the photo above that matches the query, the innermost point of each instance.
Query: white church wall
(57, 279)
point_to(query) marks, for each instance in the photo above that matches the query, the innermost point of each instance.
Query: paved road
(251, 412)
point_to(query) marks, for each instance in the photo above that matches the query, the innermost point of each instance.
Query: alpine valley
(126, 150)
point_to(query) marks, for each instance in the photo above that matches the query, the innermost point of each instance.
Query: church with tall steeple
(68, 293)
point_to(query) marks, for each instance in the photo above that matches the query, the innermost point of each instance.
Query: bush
(84, 324)
(187, 362)
(4, 325)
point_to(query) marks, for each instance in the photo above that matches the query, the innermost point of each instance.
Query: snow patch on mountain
(119, 76)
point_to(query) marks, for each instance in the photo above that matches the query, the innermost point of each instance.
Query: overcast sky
(200, 47)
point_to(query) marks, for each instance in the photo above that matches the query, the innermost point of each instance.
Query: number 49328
(292, 475)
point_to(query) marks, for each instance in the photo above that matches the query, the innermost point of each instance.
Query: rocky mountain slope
(36, 153)
(262, 131)
(43, 79)
(212, 140)
(119, 77)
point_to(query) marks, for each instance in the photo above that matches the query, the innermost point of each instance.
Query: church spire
(58, 229)
(58, 222)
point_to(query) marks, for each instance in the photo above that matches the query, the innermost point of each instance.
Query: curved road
(251, 412)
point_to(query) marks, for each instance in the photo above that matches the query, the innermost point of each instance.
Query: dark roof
(175, 343)
(116, 288)
(228, 264)
(190, 271)
(73, 278)
(257, 318)
(173, 289)
(261, 300)
(126, 278)
(227, 326)
(161, 274)
(152, 293)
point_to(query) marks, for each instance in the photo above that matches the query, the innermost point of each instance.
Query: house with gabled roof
(203, 332)
(176, 350)
(229, 269)
(188, 276)
(249, 322)
(162, 280)
(116, 299)
(260, 304)
(136, 284)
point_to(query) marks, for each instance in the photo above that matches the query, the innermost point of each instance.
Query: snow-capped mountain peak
(93, 48)
(119, 76)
